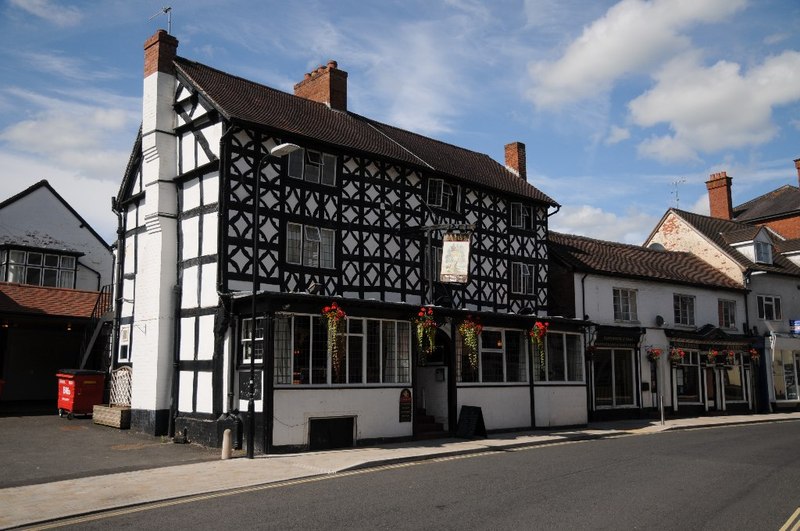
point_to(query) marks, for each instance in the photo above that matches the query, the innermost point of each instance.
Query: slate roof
(254, 104)
(788, 246)
(775, 204)
(716, 229)
(634, 261)
(22, 299)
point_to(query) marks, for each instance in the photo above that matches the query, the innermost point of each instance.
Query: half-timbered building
(349, 211)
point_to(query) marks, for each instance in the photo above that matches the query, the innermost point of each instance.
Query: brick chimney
(719, 195)
(515, 159)
(797, 165)
(326, 84)
(159, 52)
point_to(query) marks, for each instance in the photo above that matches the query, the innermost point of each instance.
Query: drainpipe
(176, 347)
(120, 265)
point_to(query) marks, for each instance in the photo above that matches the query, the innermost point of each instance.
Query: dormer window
(763, 253)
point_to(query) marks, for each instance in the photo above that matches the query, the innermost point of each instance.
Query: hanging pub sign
(455, 258)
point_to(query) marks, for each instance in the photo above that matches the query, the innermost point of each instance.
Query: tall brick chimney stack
(719, 195)
(159, 52)
(797, 165)
(326, 84)
(515, 159)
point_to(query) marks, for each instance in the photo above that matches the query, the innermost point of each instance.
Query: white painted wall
(377, 412)
(502, 407)
(39, 219)
(558, 405)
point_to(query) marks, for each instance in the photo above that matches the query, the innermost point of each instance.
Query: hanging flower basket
(537, 333)
(470, 329)
(654, 354)
(426, 331)
(712, 355)
(730, 357)
(676, 355)
(334, 317)
(754, 355)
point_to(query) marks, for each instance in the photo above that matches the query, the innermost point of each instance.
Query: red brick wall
(159, 52)
(326, 84)
(788, 227)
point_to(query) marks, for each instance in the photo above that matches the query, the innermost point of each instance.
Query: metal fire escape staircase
(99, 322)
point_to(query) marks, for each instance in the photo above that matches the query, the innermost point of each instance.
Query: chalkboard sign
(244, 385)
(470, 423)
(405, 405)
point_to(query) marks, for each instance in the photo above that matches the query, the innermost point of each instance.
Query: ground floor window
(733, 381)
(784, 375)
(563, 359)
(501, 357)
(369, 351)
(687, 378)
(614, 377)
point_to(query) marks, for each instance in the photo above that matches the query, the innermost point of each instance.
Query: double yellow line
(793, 523)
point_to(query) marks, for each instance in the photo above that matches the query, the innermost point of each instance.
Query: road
(738, 477)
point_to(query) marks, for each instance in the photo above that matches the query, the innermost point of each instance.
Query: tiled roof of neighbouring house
(787, 246)
(774, 204)
(716, 229)
(55, 302)
(634, 261)
(251, 103)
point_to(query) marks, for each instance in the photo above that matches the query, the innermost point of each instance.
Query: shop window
(369, 351)
(769, 308)
(614, 378)
(502, 358)
(687, 378)
(563, 359)
(733, 380)
(625, 305)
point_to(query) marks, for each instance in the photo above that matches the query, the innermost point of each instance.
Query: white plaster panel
(189, 238)
(208, 296)
(205, 343)
(560, 406)
(186, 390)
(191, 194)
(189, 289)
(205, 392)
(211, 188)
(186, 350)
(502, 407)
(375, 411)
(212, 135)
(187, 152)
(210, 230)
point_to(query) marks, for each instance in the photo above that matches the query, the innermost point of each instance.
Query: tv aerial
(674, 192)
(165, 11)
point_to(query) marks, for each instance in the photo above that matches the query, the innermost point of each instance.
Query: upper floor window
(625, 305)
(521, 216)
(313, 166)
(769, 308)
(763, 253)
(684, 309)
(444, 195)
(247, 340)
(436, 264)
(522, 278)
(37, 268)
(310, 246)
(727, 313)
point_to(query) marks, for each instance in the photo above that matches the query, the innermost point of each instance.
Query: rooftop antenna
(165, 11)
(674, 192)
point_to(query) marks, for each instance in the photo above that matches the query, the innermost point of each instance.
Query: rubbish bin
(79, 391)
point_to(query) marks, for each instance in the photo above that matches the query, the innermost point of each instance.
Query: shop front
(614, 367)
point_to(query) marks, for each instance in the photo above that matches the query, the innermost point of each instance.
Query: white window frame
(482, 349)
(21, 267)
(769, 303)
(683, 309)
(726, 308)
(763, 252)
(314, 247)
(124, 354)
(522, 278)
(562, 336)
(244, 339)
(312, 166)
(625, 305)
(521, 216)
(435, 195)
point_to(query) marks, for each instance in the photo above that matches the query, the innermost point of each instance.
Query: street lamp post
(277, 151)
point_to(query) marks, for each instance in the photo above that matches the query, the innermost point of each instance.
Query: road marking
(792, 520)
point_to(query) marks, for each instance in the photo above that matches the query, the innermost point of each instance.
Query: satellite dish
(656, 247)
(659, 320)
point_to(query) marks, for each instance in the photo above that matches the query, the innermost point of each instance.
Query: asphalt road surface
(739, 477)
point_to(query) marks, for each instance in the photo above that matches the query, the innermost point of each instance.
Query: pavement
(124, 469)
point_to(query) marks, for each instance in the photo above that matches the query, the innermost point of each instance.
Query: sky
(626, 107)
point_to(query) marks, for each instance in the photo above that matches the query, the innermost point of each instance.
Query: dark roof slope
(55, 302)
(634, 261)
(251, 103)
(716, 229)
(775, 204)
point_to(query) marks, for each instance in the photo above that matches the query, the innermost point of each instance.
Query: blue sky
(626, 107)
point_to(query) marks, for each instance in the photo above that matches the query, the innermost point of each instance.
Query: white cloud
(585, 220)
(69, 67)
(53, 12)
(631, 37)
(617, 135)
(708, 109)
